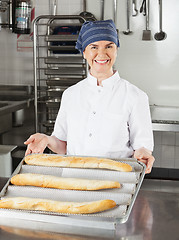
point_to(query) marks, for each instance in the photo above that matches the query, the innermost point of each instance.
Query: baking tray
(79, 71)
(124, 197)
(62, 81)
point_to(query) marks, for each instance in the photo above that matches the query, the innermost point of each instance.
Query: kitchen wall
(151, 65)
(166, 150)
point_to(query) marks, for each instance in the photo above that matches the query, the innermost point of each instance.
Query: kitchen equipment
(6, 160)
(53, 5)
(114, 10)
(124, 197)
(128, 31)
(143, 8)
(147, 33)
(87, 15)
(159, 36)
(3, 6)
(57, 64)
(5, 14)
(102, 9)
(52, 107)
(134, 8)
(22, 16)
(67, 44)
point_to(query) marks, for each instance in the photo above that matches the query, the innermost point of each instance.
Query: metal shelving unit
(57, 64)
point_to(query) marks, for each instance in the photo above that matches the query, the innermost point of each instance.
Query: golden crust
(57, 206)
(47, 181)
(78, 162)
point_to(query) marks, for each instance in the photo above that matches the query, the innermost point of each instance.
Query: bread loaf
(56, 206)
(47, 181)
(76, 162)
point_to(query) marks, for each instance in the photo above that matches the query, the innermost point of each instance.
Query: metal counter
(155, 216)
(165, 118)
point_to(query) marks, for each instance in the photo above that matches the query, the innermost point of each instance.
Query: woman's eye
(93, 47)
(110, 46)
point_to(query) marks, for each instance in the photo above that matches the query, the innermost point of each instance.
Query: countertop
(13, 106)
(14, 98)
(155, 216)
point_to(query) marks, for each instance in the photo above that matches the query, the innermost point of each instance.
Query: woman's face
(101, 56)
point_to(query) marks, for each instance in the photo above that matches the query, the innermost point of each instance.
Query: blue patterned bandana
(94, 31)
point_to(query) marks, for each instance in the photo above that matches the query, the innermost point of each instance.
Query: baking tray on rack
(124, 196)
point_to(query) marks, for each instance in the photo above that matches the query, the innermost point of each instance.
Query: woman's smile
(102, 62)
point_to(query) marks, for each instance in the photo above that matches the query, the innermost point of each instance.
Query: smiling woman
(98, 41)
(102, 115)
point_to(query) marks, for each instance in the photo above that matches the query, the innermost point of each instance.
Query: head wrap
(94, 31)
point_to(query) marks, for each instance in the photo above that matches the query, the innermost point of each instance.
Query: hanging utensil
(147, 33)
(134, 8)
(128, 31)
(87, 15)
(102, 9)
(53, 7)
(160, 35)
(114, 10)
(143, 7)
(3, 6)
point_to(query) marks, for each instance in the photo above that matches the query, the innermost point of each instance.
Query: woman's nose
(101, 52)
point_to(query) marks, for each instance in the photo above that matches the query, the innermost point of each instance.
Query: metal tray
(65, 71)
(62, 81)
(124, 197)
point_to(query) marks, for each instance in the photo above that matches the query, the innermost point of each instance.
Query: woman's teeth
(101, 61)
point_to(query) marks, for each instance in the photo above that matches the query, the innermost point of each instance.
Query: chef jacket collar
(107, 83)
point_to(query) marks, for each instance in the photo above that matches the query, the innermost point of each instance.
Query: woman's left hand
(145, 156)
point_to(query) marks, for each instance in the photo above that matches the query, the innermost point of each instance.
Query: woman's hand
(36, 143)
(145, 156)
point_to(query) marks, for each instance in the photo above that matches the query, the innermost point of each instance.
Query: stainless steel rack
(57, 64)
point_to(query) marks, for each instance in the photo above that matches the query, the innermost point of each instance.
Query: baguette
(56, 206)
(47, 181)
(76, 162)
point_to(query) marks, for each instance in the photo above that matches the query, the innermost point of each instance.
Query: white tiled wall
(166, 150)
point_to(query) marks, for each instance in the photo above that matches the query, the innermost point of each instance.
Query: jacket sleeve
(140, 124)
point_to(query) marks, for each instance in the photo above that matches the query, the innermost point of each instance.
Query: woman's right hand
(36, 143)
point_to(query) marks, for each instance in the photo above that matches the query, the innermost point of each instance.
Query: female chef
(102, 115)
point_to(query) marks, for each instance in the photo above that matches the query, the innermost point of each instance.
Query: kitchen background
(151, 65)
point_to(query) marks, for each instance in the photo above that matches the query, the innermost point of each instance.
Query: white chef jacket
(108, 121)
